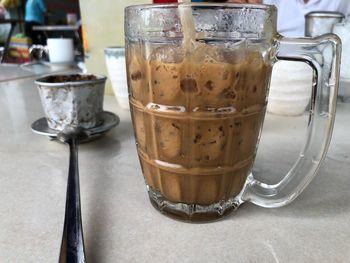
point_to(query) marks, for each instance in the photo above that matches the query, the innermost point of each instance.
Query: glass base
(193, 212)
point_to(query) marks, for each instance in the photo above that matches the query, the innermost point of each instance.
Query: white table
(58, 28)
(120, 225)
(14, 72)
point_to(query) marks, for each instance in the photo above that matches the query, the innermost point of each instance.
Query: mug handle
(323, 55)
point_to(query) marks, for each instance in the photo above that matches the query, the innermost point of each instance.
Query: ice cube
(168, 54)
(204, 53)
(219, 53)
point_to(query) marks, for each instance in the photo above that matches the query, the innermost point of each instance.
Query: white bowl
(290, 88)
(116, 67)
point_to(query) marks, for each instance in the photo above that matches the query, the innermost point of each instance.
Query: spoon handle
(72, 246)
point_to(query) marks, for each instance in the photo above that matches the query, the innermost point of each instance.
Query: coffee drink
(198, 77)
(197, 119)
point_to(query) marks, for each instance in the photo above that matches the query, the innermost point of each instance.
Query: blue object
(34, 11)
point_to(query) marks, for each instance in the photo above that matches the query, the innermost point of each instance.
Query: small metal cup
(321, 22)
(72, 103)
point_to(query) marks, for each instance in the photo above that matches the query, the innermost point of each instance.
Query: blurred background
(94, 25)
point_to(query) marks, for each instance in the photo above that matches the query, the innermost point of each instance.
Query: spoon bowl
(69, 133)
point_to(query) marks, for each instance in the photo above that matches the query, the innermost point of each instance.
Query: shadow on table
(102, 184)
(326, 196)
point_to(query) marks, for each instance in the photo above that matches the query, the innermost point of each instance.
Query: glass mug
(198, 98)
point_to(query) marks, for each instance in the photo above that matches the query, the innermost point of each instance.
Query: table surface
(120, 225)
(14, 72)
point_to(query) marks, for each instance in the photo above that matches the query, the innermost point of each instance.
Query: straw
(188, 26)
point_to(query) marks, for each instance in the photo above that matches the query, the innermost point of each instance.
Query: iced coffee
(197, 118)
(198, 78)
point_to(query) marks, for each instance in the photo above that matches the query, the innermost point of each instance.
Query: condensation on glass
(197, 110)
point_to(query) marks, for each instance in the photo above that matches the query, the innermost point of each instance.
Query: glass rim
(197, 4)
(324, 14)
(42, 81)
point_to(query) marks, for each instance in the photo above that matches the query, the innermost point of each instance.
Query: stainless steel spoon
(72, 246)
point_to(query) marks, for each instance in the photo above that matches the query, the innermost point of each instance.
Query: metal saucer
(109, 120)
